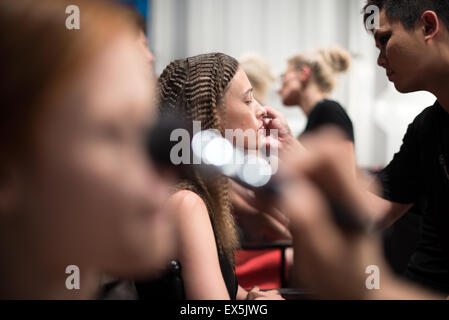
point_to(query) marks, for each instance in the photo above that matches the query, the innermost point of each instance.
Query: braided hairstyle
(195, 87)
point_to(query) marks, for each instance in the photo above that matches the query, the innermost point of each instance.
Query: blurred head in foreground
(76, 187)
(141, 36)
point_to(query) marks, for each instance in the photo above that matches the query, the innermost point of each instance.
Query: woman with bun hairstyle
(309, 80)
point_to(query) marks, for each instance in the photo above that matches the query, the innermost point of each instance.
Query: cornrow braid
(195, 87)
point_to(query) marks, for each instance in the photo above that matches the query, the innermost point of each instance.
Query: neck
(309, 98)
(441, 91)
(440, 84)
(27, 272)
(444, 101)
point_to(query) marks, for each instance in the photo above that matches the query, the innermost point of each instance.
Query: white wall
(278, 29)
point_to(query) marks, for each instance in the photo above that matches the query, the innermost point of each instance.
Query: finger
(272, 292)
(273, 113)
(277, 297)
(253, 293)
(242, 191)
(266, 122)
(271, 143)
(277, 216)
(279, 229)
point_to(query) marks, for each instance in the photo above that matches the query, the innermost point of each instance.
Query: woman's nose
(261, 110)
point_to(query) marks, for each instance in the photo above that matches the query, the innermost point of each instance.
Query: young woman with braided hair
(212, 89)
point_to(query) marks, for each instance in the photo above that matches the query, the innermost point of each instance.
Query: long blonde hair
(324, 64)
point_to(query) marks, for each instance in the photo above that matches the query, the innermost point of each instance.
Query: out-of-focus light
(212, 149)
(232, 169)
(201, 140)
(255, 171)
(218, 152)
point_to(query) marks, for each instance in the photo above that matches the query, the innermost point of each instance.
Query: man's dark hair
(409, 11)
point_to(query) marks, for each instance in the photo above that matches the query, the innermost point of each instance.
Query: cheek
(399, 57)
(292, 87)
(97, 201)
(391, 53)
(239, 116)
(80, 186)
(290, 92)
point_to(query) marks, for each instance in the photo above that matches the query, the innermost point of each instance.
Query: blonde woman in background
(308, 82)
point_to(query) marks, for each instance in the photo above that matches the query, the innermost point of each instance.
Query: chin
(147, 251)
(408, 85)
(401, 88)
(144, 262)
(289, 100)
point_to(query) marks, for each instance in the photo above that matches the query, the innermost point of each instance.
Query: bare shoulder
(194, 228)
(187, 205)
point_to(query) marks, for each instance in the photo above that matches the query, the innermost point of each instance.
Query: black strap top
(170, 285)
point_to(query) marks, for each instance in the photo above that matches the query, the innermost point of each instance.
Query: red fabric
(260, 268)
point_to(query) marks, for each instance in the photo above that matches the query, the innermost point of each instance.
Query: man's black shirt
(418, 174)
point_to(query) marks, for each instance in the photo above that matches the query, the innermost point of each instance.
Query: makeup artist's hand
(331, 263)
(328, 262)
(276, 121)
(330, 164)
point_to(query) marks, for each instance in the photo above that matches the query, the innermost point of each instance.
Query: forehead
(384, 22)
(119, 80)
(240, 83)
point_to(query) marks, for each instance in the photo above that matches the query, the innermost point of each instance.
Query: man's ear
(430, 24)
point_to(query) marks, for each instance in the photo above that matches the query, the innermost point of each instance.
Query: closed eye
(249, 99)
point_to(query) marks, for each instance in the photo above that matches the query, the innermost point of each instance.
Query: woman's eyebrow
(247, 91)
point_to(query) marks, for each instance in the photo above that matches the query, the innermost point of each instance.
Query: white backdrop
(278, 29)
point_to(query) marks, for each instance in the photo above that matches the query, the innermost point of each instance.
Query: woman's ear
(304, 74)
(430, 24)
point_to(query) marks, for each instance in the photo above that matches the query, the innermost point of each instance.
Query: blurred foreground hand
(329, 262)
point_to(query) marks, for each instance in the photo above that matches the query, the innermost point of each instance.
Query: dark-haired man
(413, 40)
